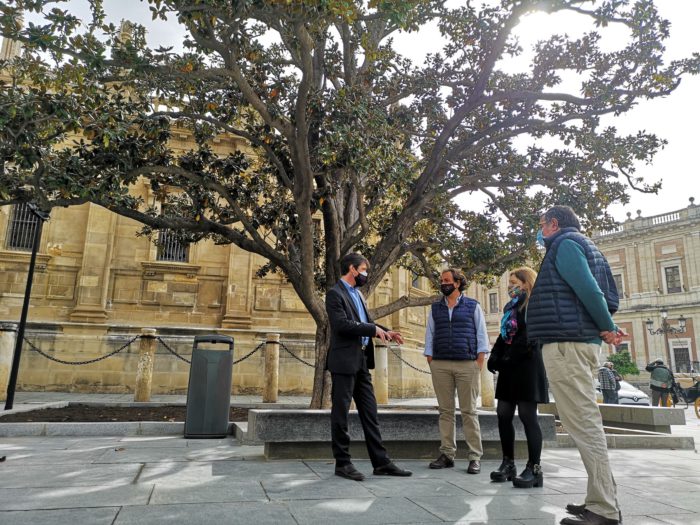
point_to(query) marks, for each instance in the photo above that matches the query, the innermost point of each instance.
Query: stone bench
(306, 434)
(653, 419)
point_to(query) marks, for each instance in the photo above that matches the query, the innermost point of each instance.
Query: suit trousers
(356, 386)
(463, 377)
(571, 367)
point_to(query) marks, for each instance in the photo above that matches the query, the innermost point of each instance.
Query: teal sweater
(572, 266)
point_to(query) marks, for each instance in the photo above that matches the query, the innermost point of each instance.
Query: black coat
(345, 355)
(521, 374)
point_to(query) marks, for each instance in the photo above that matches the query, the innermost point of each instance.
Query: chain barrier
(249, 353)
(34, 348)
(407, 363)
(169, 349)
(284, 347)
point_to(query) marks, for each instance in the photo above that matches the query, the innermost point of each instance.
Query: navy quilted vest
(454, 339)
(554, 312)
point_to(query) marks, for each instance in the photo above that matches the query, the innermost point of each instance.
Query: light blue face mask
(540, 237)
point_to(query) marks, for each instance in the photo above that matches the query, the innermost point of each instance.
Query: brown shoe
(474, 466)
(576, 510)
(589, 518)
(442, 462)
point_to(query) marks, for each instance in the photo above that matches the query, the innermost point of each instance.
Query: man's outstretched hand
(389, 335)
(396, 337)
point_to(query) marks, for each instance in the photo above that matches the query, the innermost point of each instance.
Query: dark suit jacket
(345, 354)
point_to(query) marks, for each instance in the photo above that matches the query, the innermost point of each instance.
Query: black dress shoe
(350, 472)
(442, 462)
(391, 470)
(589, 518)
(506, 472)
(474, 466)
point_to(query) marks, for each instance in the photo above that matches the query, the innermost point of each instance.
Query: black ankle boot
(530, 477)
(506, 472)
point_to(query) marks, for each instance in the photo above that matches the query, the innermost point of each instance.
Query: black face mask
(360, 280)
(447, 289)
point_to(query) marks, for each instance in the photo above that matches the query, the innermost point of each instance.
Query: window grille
(170, 248)
(681, 358)
(673, 279)
(617, 277)
(22, 228)
(493, 303)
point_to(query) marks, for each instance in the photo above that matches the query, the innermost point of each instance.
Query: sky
(675, 118)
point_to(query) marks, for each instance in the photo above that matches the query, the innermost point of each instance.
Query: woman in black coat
(521, 383)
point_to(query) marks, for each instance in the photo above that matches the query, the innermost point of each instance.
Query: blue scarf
(509, 321)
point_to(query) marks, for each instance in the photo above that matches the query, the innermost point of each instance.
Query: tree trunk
(321, 394)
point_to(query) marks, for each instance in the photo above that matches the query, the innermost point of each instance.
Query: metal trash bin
(209, 388)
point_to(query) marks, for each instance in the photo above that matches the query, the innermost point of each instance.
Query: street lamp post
(666, 329)
(12, 383)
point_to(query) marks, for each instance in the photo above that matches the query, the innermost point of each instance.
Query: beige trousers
(571, 368)
(463, 377)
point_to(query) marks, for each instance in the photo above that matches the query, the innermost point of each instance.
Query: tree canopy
(337, 124)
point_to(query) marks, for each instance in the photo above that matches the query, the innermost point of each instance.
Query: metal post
(12, 383)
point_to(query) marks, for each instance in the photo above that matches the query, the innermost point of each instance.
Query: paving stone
(155, 441)
(482, 485)
(72, 497)
(307, 489)
(367, 511)
(207, 514)
(689, 501)
(41, 456)
(677, 519)
(213, 490)
(650, 485)
(38, 476)
(410, 487)
(136, 454)
(631, 504)
(101, 516)
(488, 508)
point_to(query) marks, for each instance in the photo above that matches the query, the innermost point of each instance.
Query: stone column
(381, 373)
(144, 369)
(8, 338)
(272, 368)
(97, 253)
(488, 399)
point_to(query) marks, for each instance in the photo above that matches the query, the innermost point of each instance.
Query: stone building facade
(97, 284)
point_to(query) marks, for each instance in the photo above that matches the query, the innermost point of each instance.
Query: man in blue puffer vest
(570, 314)
(456, 342)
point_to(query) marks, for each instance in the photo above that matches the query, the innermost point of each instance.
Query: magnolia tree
(338, 126)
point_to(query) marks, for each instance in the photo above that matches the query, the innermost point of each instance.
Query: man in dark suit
(350, 358)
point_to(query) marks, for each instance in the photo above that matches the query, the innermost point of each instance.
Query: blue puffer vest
(554, 312)
(454, 339)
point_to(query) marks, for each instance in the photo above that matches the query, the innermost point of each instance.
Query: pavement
(172, 480)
